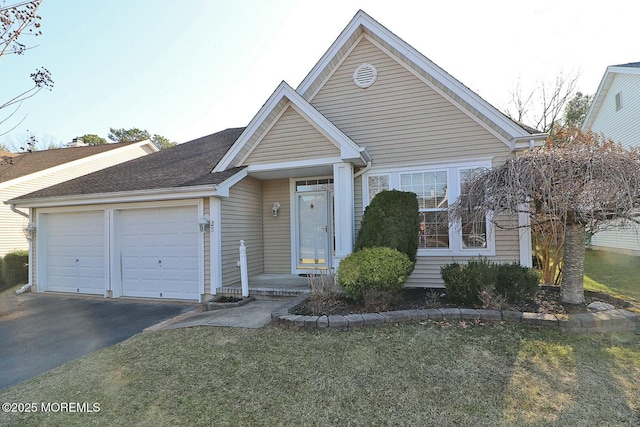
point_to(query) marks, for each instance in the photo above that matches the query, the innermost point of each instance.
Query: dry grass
(420, 374)
(612, 273)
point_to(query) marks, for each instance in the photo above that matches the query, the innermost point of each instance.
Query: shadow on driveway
(40, 332)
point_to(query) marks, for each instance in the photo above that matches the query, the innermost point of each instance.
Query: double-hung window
(435, 188)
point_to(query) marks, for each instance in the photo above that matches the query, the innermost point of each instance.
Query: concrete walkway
(252, 315)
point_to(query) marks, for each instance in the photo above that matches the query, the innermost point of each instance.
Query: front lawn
(612, 273)
(416, 374)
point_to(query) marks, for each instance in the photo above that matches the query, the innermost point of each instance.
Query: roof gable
(436, 77)
(632, 68)
(282, 98)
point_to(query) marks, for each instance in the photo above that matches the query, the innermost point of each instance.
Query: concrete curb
(618, 320)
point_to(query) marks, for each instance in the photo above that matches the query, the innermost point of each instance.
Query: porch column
(343, 209)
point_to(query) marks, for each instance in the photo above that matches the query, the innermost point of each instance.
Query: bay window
(435, 188)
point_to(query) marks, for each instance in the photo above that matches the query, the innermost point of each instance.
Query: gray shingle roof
(630, 64)
(184, 165)
(16, 165)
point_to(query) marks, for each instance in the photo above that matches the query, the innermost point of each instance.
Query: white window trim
(453, 180)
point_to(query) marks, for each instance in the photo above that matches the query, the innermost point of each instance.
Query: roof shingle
(185, 165)
(16, 165)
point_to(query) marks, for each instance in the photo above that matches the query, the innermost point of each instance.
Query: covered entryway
(159, 252)
(73, 250)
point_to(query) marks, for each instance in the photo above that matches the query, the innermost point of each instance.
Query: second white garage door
(159, 252)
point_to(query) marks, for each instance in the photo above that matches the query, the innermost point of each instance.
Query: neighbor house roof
(605, 85)
(16, 165)
(185, 165)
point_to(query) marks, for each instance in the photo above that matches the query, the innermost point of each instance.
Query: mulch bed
(546, 301)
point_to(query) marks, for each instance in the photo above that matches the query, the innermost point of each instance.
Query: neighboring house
(615, 112)
(373, 114)
(27, 172)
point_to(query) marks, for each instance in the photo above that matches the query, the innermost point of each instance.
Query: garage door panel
(74, 252)
(159, 252)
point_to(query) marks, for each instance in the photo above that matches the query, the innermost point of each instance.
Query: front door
(313, 230)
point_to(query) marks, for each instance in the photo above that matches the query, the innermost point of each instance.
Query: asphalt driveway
(39, 332)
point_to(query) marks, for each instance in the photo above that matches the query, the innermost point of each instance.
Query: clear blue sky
(185, 69)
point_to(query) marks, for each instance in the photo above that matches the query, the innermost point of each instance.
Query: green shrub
(391, 220)
(481, 280)
(383, 269)
(15, 268)
(465, 283)
(516, 282)
(2, 281)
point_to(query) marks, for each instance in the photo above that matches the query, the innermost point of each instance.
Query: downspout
(26, 287)
(12, 206)
(363, 170)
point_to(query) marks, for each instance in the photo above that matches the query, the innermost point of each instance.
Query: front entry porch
(275, 285)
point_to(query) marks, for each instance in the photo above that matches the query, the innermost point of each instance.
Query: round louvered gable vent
(365, 75)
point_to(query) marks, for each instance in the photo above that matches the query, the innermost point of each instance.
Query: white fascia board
(348, 148)
(296, 164)
(598, 98)
(119, 197)
(77, 162)
(374, 27)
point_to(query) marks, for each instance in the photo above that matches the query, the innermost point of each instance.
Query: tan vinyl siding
(277, 230)
(262, 129)
(242, 220)
(292, 137)
(400, 119)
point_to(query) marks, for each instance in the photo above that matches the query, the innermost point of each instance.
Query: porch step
(271, 292)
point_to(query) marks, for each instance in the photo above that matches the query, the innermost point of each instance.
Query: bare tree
(18, 21)
(542, 107)
(580, 183)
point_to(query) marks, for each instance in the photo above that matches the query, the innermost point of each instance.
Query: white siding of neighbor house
(292, 137)
(242, 216)
(403, 122)
(277, 230)
(621, 126)
(623, 240)
(11, 224)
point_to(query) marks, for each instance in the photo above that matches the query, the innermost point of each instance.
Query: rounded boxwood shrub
(380, 269)
(465, 283)
(516, 282)
(391, 220)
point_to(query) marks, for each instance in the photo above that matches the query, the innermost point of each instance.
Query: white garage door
(74, 252)
(159, 252)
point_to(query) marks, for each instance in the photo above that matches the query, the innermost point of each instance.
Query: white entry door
(159, 252)
(313, 230)
(74, 246)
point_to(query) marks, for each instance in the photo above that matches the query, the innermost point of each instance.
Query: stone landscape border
(618, 320)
